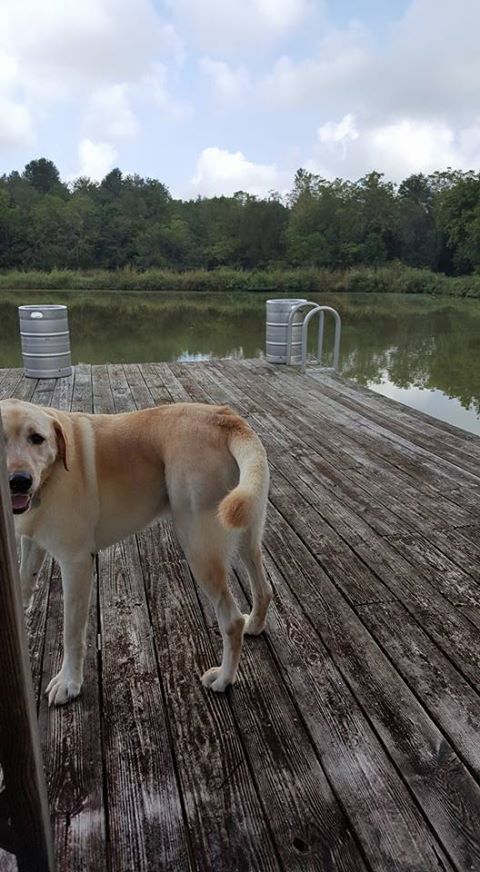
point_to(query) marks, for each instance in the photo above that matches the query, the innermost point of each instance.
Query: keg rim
(41, 307)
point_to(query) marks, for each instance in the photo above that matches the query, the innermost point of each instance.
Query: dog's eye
(36, 439)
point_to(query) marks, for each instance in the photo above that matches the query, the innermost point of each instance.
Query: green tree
(261, 238)
(375, 201)
(42, 174)
(417, 233)
(458, 216)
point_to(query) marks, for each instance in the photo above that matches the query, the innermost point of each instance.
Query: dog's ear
(61, 443)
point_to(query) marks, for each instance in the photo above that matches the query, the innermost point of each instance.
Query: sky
(215, 96)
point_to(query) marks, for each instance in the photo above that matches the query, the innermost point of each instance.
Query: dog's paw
(253, 626)
(62, 688)
(214, 680)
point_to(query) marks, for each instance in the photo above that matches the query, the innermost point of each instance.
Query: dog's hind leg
(251, 554)
(208, 548)
(32, 557)
(77, 586)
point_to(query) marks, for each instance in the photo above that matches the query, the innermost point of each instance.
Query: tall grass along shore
(396, 279)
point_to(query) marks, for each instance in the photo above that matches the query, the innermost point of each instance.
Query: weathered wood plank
(306, 822)
(400, 476)
(358, 657)
(136, 382)
(365, 549)
(449, 544)
(73, 760)
(440, 438)
(102, 391)
(461, 547)
(404, 413)
(82, 400)
(471, 532)
(11, 379)
(451, 701)
(443, 786)
(363, 485)
(380, 443)
(473, 615)
(146, 824)
(356, 715)
(153, 375)
(363, 585)
(457, 585)
(171, 383)
(228, 826)
(438, 562)
(247, 835)
(408, 582)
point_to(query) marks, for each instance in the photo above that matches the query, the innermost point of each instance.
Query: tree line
(430, 221)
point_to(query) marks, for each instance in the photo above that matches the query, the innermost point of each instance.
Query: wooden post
(20, 753)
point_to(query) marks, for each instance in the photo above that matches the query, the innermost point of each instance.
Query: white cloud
(351, 148)
(94, 55)
(109, 114)
(96, 41)
(8, 68)
(410, 106)
(224, 26)
(428, 67)
(409, 146)
(229, 84)
(16, 128)
(154, 87)
(340, 66)
(436, 41)
(338, 135)
(223, 172)
(96, 159)
(400, 99)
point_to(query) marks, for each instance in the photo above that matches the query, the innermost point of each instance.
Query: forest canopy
(430, 221)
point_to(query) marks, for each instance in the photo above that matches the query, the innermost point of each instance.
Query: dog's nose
(20, 482)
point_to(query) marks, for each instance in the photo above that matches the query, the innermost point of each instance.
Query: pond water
(422, 351)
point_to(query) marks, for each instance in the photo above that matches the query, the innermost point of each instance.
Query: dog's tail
(246, 503)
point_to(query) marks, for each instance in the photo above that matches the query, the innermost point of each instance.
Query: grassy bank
(396, 278)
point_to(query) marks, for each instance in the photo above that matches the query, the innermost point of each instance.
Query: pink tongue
(20, 501)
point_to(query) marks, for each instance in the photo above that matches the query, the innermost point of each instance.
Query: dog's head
(34, 442)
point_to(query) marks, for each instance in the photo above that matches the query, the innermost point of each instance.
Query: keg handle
(36, 314)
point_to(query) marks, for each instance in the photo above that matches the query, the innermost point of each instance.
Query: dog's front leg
(30, 565)
(77, 586)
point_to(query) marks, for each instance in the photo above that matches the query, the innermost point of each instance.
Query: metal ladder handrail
(336, 341)
(316, 310)
(293, 311)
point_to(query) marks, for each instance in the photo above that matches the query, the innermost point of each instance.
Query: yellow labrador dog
(81, 482)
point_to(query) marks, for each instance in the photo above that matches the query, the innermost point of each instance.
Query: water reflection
(423, 351)
(432, 402)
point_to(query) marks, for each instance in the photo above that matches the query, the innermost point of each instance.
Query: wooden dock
(351, 740)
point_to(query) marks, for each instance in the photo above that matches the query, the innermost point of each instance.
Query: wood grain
(350, 740)
(146, 824)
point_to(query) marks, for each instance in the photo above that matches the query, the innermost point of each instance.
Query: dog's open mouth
(20, 503)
